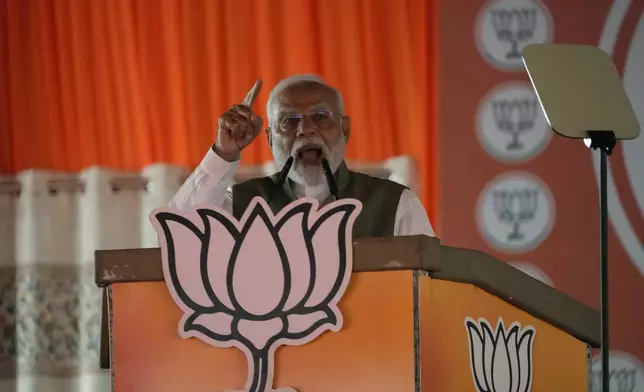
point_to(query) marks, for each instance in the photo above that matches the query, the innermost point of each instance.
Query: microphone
(282, 177)
(330, 179)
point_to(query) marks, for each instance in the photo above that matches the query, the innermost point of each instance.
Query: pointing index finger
(253, 93)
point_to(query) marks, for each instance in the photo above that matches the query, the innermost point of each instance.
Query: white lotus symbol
(501, 360)
(260, 282)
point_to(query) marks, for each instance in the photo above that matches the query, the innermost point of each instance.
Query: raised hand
(239, 126)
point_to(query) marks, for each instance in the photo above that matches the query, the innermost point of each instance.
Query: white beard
(310, 175)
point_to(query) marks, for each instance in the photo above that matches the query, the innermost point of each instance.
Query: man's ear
(346, 126)
(269, 137)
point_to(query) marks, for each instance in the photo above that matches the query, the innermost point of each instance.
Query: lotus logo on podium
(261, 282)
(501, 360)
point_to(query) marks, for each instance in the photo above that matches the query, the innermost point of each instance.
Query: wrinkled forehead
(305, 97)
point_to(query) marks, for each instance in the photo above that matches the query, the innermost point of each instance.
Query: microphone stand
(330, 179)
(282, 177)
(328, 174)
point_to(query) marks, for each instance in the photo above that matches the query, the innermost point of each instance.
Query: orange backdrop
(125, 83)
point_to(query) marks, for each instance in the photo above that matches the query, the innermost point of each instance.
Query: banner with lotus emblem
(531, 198)
(261, 282)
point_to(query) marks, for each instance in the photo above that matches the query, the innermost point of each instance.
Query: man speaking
(307, 133)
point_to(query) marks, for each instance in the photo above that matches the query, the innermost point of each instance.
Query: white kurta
(209, 184)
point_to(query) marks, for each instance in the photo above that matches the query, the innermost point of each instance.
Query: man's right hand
(238, 127)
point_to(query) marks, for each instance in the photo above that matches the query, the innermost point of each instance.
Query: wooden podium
(419, 316)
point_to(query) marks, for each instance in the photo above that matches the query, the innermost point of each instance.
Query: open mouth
(310, 155)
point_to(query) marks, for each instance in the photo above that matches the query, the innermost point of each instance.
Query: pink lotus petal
(476, 354)
(258, 273)
(501, 363)
(489, 342)
(219, 323)
(187, 258)
(219, 250)
(524, 354)
(327, 258)
(292, 237)
(298, 323)
(513, 358)
(260, 332)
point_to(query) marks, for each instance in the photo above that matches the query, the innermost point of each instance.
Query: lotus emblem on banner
(501, 360)
(261, 282)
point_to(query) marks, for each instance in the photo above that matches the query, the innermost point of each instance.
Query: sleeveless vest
(379, 198)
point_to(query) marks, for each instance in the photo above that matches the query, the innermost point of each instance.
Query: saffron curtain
(126, 83)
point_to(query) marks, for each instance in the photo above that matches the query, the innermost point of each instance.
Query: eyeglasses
(321, 119)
